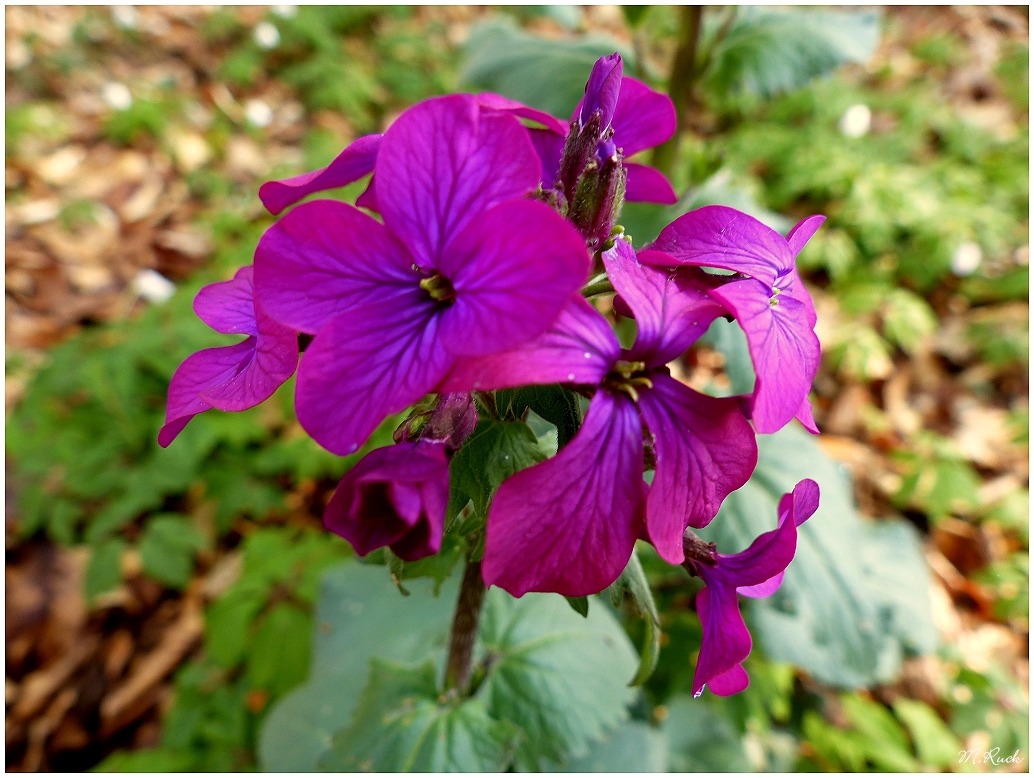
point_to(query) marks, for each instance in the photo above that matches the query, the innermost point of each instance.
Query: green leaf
(229, 620)
(560, 677)
(495, 451)
(548, 75)
(278, 659)
(167, 549)
(768, 51)
(633, 747)
(700, 740)
(855, 599)
(104, 572)
(401, 725)
(633, 580)
(555, 404)
(148, 760)
(359, 614)
(907, 319)
(934, 742)
(886, 741)
(579, 605)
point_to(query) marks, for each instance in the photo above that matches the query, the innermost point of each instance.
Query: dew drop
(588, 355)
(570, 376)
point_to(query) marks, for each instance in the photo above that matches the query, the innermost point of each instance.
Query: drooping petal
(569, 524)
(730, 682)
(273, 362)
(602, 90)
(647, 185)
(442, 164)
(356, 161)
(643, 118)
(366, 364)
(494, 102)
(513, 271)
(783, 348)
(325, 257)
(705, 450)
(580, 348)
(766, 557)
(802, 232)
(806, 417)
(229, 306)
(394, 496)
(198, 372)
(726, 641)
(718, 236)
(670, 314)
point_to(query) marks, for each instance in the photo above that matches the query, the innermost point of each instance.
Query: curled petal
(513, 270)
(718, 236)
(783, 348)
(494, 102)
(229, 306)
(580, 348)
(670, 313)
(800, 504)
(647, 185)
(325, 257)
(356, 161)
(442, 164)
(730, 682)
(705, 450)
(365, 365)
(394, 496)
(764, 589)
(643, 118)
(802, 232)
(726, 641)
(569, 524)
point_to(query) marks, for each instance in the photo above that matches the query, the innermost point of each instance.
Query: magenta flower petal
(494, 102)
(783, 348)
(394, 496)
(802, 232)
(273, 360)
(444, 162)
(229, 306)
(718, 236)
(356, 161)
(643, 118)
(569, 524)
(705, 450)
(801, 503)
(512, 271)
(204, 370)
(325, 257)
(726, 640)
(580, 348)
(368, 199)
(366, 364)
(806, 418)
(648, 185)
(602, 90)
(764, 589)
(670, 313)
(730, 682)
(550, 148)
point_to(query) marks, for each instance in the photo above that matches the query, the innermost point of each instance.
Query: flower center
(628, 378)
(438, 287)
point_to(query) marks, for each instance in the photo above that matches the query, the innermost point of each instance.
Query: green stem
(681, 83)
(464, 629)
(598, 286)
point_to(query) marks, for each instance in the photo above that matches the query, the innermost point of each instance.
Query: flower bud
(394, 496)
(448, 423)
(602, 89)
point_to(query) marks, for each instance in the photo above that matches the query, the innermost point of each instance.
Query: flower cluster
(457, 274)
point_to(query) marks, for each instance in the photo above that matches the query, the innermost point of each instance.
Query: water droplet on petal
(700, 691)
(588, 355)
(570, 376)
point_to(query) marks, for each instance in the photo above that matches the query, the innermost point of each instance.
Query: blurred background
(160, 602)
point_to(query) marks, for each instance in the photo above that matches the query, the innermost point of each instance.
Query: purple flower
(771, 303)
(602, 90)
(756, 572)
(230, 378)
(462, 266)
(394, 496)
(569, 524)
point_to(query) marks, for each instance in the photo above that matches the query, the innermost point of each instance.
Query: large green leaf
(768, 50)
(360, 614)
(855, 599)
(633, 747)
(549, 75)
(700, 739)
(401, 725)
(560, 677)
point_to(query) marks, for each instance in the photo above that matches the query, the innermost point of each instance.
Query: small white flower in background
(257, 112)
(125, 16)
(856, 121)
(153, 286)
(266, 35)
(966, 259)
(285, 11)
(117, 95)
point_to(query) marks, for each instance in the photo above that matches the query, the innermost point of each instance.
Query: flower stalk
(464, 629)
